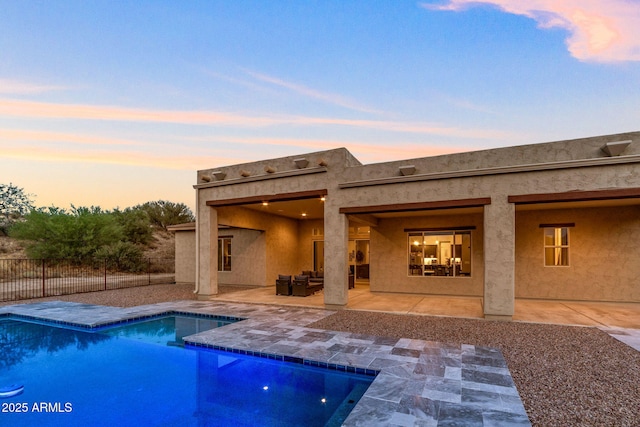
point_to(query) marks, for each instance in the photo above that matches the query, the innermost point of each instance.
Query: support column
(207, 274)
(336, 265)
(499, 259)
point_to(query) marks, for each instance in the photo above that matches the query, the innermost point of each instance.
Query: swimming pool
(167, 330)
(76, 377)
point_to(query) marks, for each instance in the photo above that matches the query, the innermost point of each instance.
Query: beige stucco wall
(603, 255)
(277, 239)
(497, 174)
(323, 173)
(185, 244)
(389, 257)
(305, 242)
(248, 258)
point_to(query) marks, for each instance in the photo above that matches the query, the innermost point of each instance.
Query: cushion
(302, 277)
(283, 277)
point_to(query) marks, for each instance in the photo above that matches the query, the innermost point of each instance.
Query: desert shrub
(76, 235)
(163, 213)
(122, 256)
(136, 225)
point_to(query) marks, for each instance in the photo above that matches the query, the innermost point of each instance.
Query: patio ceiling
(311, 208)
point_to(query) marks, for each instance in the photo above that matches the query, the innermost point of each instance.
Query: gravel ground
(566, 376)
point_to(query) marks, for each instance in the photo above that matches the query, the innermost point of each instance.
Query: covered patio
(580, 313)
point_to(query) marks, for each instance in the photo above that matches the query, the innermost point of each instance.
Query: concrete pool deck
(418, 383)
(572, 313)
(620, 320)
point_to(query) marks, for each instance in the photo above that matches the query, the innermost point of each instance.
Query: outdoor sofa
(303, 286)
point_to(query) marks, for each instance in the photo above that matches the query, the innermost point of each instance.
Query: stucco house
(558, 220)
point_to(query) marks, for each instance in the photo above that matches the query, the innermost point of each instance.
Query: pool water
(73, 377)
(166, 330)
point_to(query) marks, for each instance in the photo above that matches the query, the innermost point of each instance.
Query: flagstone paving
(418, 383)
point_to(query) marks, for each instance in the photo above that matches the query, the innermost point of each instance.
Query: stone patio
(418, 383)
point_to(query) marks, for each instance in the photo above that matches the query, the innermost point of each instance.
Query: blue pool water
(166, 330)
(93, 378)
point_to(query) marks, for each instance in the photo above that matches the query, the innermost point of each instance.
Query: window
(439, 253)
(224, 254)
(556, 246)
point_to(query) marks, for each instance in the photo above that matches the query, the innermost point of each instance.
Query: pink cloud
(53, 137)
(19, 108)
(15, 87)
(32, 109)
(55, 154)
(599, 30)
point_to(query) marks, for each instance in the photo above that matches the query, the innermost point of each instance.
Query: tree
(136, 225)
(76, 235)
(163, 213)
(14, 204)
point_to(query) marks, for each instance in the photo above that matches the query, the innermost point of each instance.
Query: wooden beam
(281, 197)
(420, 206)
(575, 196)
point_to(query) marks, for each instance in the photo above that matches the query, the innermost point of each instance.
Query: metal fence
(37, 278)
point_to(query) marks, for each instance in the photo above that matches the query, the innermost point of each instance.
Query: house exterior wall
(248, 258)
(603, 255)
(276, 239)
(250, 180)
(494, 177)
(185, 244)
(389, 257)
(305, 243)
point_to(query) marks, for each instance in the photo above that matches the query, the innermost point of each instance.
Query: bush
(78, 235)
(136, 225)
(163, 213)
(14, 204)
(123, 256)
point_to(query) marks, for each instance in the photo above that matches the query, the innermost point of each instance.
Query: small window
(224, 254)
(556, 247)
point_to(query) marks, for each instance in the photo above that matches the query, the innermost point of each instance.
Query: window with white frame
(439, 253)
(556, 246)
(224, 254)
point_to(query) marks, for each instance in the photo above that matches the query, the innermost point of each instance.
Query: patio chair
(283, 285)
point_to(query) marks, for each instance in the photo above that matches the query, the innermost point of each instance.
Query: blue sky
(114, 103)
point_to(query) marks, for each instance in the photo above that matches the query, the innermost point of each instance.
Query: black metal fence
(37, 278)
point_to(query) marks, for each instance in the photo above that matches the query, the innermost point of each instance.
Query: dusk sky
(115, 103)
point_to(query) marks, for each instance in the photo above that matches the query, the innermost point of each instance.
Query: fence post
(105, 274)
(149, 270)
(43, 277)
